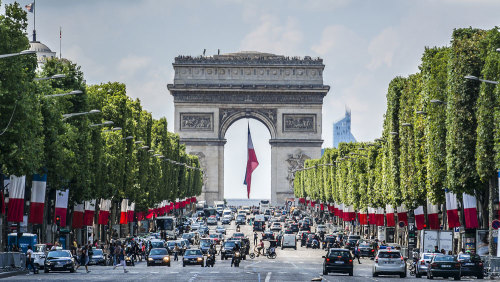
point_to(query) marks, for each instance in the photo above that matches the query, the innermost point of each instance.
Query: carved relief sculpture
(299, 122)
(197, 121)
(295, 162)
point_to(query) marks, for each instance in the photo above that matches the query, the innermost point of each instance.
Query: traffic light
(58, 220)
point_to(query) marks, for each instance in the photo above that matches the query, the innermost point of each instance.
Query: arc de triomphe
(285, 94)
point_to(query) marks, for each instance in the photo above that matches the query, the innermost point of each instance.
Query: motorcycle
(210, 260)
(237, 259)
(271, 253)
(315, 244)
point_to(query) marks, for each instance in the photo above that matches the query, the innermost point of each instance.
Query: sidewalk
(11, 272)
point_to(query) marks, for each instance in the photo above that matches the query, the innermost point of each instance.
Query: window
(389, 255)
(343, 254)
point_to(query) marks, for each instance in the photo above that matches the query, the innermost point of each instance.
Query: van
(289, 241)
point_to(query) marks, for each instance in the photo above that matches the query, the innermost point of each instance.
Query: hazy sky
(364, 45)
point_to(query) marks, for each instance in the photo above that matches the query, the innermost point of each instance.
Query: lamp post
(108, 122)
(25, 52)
(74, 92)
(55, 76)
(66, 116)
(112, 129)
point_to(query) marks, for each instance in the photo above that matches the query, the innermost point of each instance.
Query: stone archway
(285, 94)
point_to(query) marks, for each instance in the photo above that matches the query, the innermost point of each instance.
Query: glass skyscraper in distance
(342, 130)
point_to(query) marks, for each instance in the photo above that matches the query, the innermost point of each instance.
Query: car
(444, 266)
(338, 260)
(310, 238)
(97, 257)
(191, 237)
(205, 244)
(212, 220)
(203, 230)
(227, 250)
(241, 219)
(471, 265)
(294, 227)
(423, 264)
(276, 226)
(226, 219)
(258, 225)
(389, 262)
(299, 235)
(193, 257)
(268, 235)
(220, 230)
(350, 244)
(216, 237)
(289, 241)
(157, 243)
(238, 235)
(366, 250)
(158, 256)
(39, 255)
(180, 243)
(59, 260)
(321, 228)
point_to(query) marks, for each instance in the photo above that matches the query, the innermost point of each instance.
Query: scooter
(237, 259)
(210, 260)
(271, 253)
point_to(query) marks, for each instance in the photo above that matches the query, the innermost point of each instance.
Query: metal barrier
(492, 265)
(11, 260)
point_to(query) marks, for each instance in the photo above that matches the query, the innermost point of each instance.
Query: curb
(11, 273)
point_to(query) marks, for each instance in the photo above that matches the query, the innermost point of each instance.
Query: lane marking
(258, 276)
(268, 277)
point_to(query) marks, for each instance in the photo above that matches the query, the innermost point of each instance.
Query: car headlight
(200, 259)
(150, 259)
(166, 259)
(127, 258)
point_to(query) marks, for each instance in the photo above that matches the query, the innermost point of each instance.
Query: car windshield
(58, 254)
(193, 253)
(229, 245)
(171, 243)
(467, 257)
(97, 252)
(364, 245)
(444, 258)
(205, 243)
(158, 252)
(335, 253)
(214, 236)
(389, 255)
(187, 236)
(157, 244)
(238, 235)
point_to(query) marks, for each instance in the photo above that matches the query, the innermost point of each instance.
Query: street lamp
(112, 129)
(74, 92)
(421, 113)
(139, 142)
(25, 52)
(128, 137)
(66, 116)
(393, 133)
(406, 124)
(108, 122)
(55, 76)
(471, 77)
(435, 101)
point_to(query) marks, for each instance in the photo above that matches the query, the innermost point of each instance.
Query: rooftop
(248, 58)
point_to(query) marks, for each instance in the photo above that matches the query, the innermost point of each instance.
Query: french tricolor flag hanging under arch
(402, 214)
(104, 208)
(433, 216)
(130, 212)
(452, 209)
(470, 211)
(62, 205)
(252, 163)
(419, 217)
(78, 216)
(389, 215)
(38, 189)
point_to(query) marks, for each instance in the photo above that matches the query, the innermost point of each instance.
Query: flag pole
(34, 20)
(60, 42)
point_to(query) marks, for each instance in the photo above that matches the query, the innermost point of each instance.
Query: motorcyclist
(235, 249)
(260, 247)
(238, 228)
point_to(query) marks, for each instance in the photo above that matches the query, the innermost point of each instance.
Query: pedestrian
(29, 261)
(84, 258)
(356, 253)
(112, 253)
(122, 259)
(255, 237)
(176, 252)
(117, 254)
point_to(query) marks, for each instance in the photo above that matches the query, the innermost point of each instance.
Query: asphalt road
(290, 265)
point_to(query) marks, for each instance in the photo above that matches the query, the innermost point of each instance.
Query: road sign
(401, 224)
(495, 224)
(411, 227)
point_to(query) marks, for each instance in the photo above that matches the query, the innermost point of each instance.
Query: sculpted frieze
(264, 98)
(196, 121)
(299, 122)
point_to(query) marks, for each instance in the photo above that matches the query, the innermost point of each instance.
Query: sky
(364, 45)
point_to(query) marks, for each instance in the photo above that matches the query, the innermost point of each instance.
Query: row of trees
(91, 161)
(441, 131)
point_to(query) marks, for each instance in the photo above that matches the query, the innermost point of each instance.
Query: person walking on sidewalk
(29, 261)
(84, 259)
(121, 257)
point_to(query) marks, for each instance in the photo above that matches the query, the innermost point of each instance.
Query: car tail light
(350, 261)
(480, 264)
(422, 262)
(373, 250)
(327, 260)
(376, 260)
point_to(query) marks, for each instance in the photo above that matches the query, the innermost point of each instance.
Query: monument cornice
(203, 141)
(214, 97)
(249, 87)
(296, 142)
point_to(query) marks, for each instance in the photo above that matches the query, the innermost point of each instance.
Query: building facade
(342, 130)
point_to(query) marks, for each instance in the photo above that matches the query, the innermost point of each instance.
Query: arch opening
(235, 163)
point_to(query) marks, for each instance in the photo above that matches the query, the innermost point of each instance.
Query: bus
(264, 205)
(166, 224)
(209, 212)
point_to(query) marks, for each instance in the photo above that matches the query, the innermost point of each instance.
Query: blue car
(193, 256)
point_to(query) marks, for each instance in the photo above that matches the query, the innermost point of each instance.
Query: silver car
(389, 262)
(423, 264)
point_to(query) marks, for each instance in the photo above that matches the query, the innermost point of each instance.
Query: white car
(321, 228)
(289, 241)
(39, 254)
(276, 226)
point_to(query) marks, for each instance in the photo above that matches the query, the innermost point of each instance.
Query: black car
(268, 235)
(158, 256)
(366, 250)
(310, 238)
(97, 257)
(444, 266)
(258, 226)
(294, 227)
(205, 245)
(60, 260)
(350, 244)
(193, 256)
(227, 250)
(471, 265)
(338, 260)
(241, 220)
